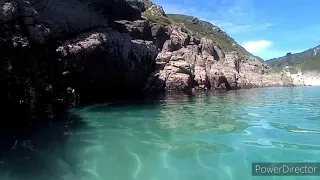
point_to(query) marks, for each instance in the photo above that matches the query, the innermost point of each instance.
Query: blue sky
(266, 28)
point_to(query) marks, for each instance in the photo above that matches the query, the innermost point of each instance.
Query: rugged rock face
(157, 10)
(187, 63)
(109, 61)
(144, 29)
(63, 51)
(53, 19)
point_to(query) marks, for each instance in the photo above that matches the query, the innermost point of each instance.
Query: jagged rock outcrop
(157, 10)
(64, 51)
(195, 20)
(187, 63)
(109, 62)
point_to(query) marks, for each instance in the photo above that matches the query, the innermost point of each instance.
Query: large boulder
(179, 82)
(105, 63)
(208, 46)
(178, 39)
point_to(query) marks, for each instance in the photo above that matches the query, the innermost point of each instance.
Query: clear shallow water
(208, 137)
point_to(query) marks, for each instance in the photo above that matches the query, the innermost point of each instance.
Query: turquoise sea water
(211, 137)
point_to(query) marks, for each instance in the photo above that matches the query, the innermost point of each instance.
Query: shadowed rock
(223, 80)
(8, 11)
(52, 19)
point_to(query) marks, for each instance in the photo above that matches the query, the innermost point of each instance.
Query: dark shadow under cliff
(36, 150)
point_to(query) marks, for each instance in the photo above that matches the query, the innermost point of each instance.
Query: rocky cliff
(63, 52)
(187, 63)
(303, 67)
(200, 56)
(66, 51)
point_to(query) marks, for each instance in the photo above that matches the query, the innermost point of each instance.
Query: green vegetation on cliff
(157, 19)
(206, 29)
(308, 60)
(198, 28)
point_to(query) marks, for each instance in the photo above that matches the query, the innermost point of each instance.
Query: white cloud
(270, 53)
(256, 46)
(234, 28)
(266, 50)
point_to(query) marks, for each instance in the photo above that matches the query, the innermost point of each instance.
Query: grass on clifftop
(203, 29)
(199, 29)
(304, 61)
(208, 30)
(156, 19)
(309, 65)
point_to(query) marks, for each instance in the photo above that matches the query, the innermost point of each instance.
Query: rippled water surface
(209, 137)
